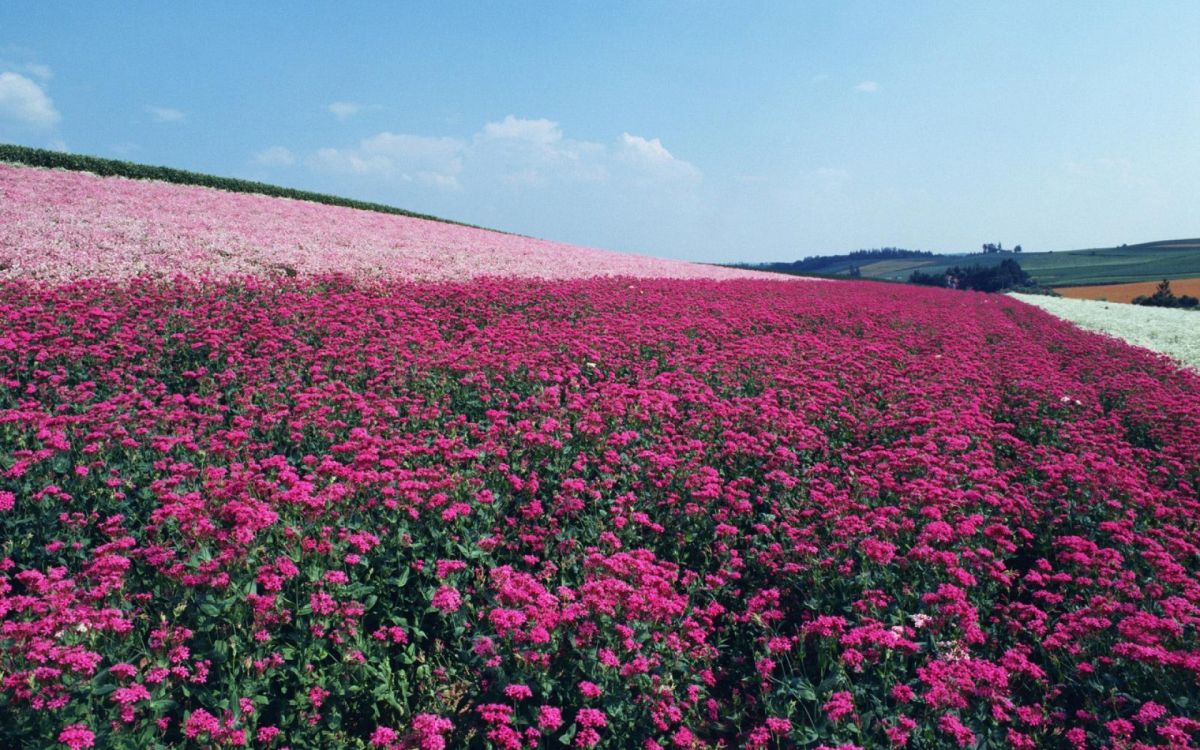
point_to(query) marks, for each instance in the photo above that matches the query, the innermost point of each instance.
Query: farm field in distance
(1150, 261)
(1146, 262)
(1127, 292)
(279, 474)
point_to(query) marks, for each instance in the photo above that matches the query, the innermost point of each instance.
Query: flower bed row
(606, 513)
(60, 225)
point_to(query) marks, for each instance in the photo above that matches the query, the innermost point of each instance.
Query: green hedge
(37, 157)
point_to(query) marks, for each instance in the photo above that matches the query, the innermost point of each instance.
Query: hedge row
(38, 157)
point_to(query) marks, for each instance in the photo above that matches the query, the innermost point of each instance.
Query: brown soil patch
(1126, 292)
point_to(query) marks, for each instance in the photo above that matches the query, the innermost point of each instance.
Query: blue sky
(707, 131)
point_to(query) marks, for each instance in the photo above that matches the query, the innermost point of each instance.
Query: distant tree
(990, 248)
(1006, 275)
(927, 279)
(836, 263)
(1164, 297)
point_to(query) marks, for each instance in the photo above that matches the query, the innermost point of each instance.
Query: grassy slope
(36, 157)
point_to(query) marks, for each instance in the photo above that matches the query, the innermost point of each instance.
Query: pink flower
(839, 705)
(336, 577)
(317, 696)
(1120, 728)
(432, 739)
(201, 722)
(549, 718)
(590, 717)
(589, 689)
(76, 736)
(383, 736)
(950, 724)
(132, 694)
(778, 725)
(1149, 713)
(447, 599)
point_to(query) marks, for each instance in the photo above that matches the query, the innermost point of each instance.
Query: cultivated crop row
(69, 225)
(608, 513)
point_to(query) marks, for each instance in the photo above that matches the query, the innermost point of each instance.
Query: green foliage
(1164, 297)
(1006, 275)
(927, 279)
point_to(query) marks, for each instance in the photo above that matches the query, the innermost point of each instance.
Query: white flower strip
(1175, 333)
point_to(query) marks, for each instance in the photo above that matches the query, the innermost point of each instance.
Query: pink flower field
(60, 225)
(364, 510)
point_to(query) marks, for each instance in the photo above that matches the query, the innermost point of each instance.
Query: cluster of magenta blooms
(597, 513)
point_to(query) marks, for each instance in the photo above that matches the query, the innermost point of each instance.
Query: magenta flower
(447, 599)
(77, 736)
(839, 705)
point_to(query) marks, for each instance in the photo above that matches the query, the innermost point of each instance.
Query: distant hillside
(845, 263)
(1147, 261)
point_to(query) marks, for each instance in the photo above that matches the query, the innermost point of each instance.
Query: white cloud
(867, 87)
(649, 155)
(164, 114)
(344, 110)
(651, 151)
(275, 156)
(513, 152)
(528, 152)
(545, 132)
(433, 161)
(25, 102)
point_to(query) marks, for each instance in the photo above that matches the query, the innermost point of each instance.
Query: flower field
(58, 225)
(276, 474)
(326, 512)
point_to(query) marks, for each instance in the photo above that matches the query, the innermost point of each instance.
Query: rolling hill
(1148, 261)
(71, 223)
